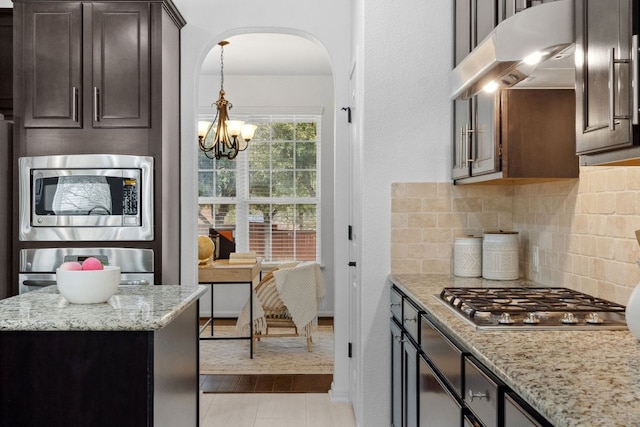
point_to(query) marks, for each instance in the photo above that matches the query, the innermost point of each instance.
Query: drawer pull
(478, 395)
(411, 319)
(396, 304)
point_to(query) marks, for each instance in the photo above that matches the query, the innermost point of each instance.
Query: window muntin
(270, 193)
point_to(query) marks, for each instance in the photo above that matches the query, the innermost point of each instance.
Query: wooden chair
(276, 314)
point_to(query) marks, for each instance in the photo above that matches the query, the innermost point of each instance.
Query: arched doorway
(273, 74)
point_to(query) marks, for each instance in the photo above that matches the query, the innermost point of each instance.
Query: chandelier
(231, 136)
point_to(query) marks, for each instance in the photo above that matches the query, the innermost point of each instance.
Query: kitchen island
(132, 361)
(572, 378)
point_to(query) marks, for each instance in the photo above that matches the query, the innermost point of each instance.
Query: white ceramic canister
(500, 255)
(467, 257)
(632, 311)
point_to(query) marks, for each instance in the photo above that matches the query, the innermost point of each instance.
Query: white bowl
(90, 286)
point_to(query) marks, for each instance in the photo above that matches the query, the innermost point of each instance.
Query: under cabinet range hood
(506, 56)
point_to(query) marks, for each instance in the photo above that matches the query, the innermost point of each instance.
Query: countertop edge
(132, 308)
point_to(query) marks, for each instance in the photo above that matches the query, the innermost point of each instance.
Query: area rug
(271, 355)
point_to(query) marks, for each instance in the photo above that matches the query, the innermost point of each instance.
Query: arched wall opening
(196, 44)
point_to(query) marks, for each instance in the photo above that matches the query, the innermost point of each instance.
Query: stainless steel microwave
(95, 197)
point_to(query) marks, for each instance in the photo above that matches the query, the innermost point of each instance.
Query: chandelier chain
(221, 67)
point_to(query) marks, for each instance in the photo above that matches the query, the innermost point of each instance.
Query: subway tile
(583, 227)
(422, 220)
(437, 204)
(421, 189)
(412, 204)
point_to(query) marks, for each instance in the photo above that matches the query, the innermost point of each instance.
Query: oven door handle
(44, 283)
(39, 283)
(134, 282)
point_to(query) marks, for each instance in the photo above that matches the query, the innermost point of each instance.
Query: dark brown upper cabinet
(6, 62)
(607, 101)
(473, 149)
(86, 65)
(508, 136)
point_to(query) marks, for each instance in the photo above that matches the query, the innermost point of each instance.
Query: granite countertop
(132, 308)
(572, 378)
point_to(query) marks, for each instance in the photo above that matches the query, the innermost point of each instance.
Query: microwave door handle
(39, 283)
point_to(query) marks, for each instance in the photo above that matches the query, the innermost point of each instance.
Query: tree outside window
(270, 192)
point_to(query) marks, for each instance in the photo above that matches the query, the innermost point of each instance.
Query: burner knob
(593, 318)
(569, 318)
(531, 319)
(505, 319)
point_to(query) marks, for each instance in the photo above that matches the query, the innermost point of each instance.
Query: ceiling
(269, 54)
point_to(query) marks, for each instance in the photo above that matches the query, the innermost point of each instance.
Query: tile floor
(274, 409)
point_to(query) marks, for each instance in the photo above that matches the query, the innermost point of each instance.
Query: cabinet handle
(399, 338)
(461, 160)
(468, 157)
(396, 304)
(96, 104)
(612, 88)
(480, 395)
(411, 319)
(74, 104)
(635, 78)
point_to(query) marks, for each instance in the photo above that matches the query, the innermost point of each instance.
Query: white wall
(403, 54)
(287, 94)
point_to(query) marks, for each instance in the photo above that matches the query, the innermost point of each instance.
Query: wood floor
(275, 383)
(301, 383)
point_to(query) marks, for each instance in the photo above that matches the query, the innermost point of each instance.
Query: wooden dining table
(220, 272)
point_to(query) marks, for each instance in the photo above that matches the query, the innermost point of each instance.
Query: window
(269, 194)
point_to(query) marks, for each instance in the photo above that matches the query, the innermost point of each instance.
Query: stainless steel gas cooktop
(533, 309)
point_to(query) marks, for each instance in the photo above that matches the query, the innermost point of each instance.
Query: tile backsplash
(583, 229)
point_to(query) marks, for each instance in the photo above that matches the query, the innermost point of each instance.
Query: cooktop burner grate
(536, 308)
(519, 300)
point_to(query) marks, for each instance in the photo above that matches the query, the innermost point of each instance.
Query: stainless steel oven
(38, 266)
(86, 197)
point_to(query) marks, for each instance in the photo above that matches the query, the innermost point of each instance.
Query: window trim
(242, 199)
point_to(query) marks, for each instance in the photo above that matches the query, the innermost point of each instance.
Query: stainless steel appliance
(531, 49)
(38, 266)
(86, 197)
(544, 308)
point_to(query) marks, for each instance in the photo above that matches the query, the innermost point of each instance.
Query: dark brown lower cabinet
(101, 378)
(410, 380)
(396, 375)
(437, 406)
(436, 382)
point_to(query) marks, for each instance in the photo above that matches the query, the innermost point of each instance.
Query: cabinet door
(484, 141)
(603, 31)
(462, 43)
(121, 65)
(6, 62)
(410, 383)
(485, 17)
(52, 65)
(461, 138)
(518, 413)
(437, 406)
(396, 375)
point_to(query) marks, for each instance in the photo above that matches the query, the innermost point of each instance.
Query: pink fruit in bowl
(92, 263)
(70, 266)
